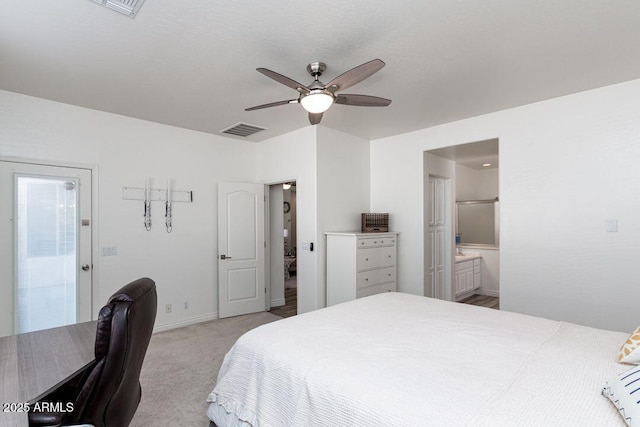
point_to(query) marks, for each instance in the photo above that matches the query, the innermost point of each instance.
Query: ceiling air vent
(242, 129)
(126, 7)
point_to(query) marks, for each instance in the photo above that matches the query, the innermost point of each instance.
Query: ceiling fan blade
(314, 118)
(284, 80)
(362, 100)
(355, 75)
(272, 104)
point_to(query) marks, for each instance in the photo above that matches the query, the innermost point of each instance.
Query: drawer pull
(366, 259)
(366, 279)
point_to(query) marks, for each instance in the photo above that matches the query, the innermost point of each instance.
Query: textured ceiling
(192, 64)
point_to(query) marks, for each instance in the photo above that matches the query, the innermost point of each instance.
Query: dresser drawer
(377, 289)
(375, 277)
(376, 257)
(373, 242)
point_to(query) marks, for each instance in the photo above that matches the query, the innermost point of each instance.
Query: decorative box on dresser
(360, 264)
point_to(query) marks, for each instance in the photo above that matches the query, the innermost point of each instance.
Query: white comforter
(401, 360)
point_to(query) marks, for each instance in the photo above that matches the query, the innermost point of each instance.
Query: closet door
(436, 238)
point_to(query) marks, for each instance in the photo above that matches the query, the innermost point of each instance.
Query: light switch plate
(109, 250)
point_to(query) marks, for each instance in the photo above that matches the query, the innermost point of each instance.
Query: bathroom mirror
(477, 223)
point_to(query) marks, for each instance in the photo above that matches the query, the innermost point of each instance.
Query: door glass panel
(46, 256)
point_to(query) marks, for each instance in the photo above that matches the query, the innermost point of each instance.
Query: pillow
(630, 351)
(624, 392)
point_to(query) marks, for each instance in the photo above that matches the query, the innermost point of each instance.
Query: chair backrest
(111, 392)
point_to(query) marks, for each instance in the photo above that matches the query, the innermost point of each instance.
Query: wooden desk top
(33, 363)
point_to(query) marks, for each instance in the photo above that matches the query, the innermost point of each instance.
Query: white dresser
(359, 265)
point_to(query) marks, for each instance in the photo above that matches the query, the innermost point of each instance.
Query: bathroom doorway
(472, 173)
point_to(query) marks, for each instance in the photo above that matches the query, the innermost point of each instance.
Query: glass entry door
(50, 250)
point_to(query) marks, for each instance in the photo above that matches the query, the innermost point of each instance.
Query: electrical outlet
(167, 308)
(186, 305)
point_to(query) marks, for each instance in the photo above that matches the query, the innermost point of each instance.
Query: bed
(396, 359)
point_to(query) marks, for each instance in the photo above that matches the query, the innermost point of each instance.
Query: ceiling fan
(318, 97)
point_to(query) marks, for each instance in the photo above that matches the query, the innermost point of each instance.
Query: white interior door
(437, 234)
(241, 249)
(45, 246)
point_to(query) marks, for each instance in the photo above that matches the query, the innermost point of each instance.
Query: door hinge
(265, 290)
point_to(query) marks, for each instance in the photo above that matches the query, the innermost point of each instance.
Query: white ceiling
(473, 155)
(192, 63)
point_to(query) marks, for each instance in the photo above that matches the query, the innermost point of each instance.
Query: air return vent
(242, 129)
(126, 7)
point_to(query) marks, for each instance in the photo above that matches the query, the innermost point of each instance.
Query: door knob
(85, 267)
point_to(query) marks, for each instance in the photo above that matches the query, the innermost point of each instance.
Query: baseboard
(185, 322)
(488, 292)
(278, 302)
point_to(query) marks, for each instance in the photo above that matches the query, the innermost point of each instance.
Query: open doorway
(468, 266)
(283, 249)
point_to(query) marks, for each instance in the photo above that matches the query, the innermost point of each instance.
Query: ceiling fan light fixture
(316, 98)
(317, 101)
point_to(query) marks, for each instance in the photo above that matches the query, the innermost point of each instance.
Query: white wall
(331, 170)
(343, 189)
(127, 150)
(474, 184)
(566, 165)
(292, 157)
(183, 263)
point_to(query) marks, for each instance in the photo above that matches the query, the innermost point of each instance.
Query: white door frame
(267, 234)
(96, 303)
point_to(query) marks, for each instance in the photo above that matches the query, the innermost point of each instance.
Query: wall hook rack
(166, 195)
(157, 195)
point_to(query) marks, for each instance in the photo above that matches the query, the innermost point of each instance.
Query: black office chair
(108, 392)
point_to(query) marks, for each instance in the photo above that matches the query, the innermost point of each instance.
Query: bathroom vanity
(468, 275)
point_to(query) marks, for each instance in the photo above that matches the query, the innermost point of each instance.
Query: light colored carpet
(181, 367)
